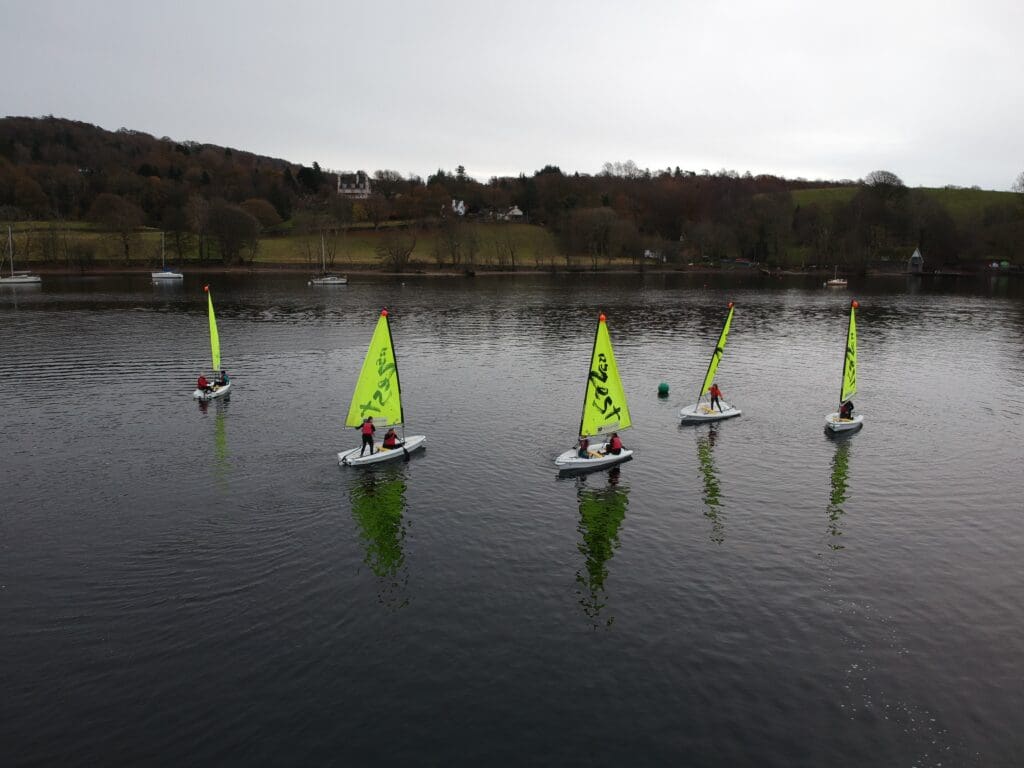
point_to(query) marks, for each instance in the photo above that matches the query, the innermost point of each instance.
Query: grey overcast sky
(932, 91)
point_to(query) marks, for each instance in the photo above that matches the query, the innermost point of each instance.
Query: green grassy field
(823, 197)
(62, 243)
(962, 204)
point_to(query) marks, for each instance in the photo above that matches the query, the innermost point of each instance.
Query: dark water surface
(184, 585)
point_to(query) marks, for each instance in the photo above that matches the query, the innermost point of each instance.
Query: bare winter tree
(395, 249)
(883, 178)
(121, 217)
(1018, 185)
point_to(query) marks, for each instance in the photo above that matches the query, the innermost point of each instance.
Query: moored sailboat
(836, 281)
(700, 412)
(605, 410)
(164, 273)
(17, 278)
(325, 277)
(843, 420)
(221, 383)
(378, 397)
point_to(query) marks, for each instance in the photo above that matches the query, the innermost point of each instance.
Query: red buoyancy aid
(615, 444)
(368, 428)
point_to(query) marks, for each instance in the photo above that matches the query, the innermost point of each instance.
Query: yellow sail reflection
(712, 488)
(602, 511)
(220, 441)
(378, 506)
(837, 495)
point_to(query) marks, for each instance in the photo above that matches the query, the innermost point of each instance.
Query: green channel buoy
(663, 389)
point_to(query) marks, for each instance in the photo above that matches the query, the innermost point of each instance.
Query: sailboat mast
(846, 352)
(586, 387)
(398, 379)
(323, 262)
(10, 248)
(163, 258)
(719, 350)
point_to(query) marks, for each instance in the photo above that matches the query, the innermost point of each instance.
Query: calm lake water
(188, 585)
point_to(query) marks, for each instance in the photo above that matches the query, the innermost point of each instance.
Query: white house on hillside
(355, 185)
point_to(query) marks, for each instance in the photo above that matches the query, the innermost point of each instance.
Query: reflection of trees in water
(378, 506)
(837, 495)
(602, 511)
(712, 489)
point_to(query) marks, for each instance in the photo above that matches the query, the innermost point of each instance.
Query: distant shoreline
(366, 270)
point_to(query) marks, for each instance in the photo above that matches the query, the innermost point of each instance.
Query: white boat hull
(166, 275)
(213, 393)
(21, 280)
(329, 281)
(701, 412)
(834, 423)
(380, 454)
(571, 462)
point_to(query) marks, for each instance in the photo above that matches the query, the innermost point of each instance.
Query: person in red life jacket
(846, 410)
(202, 384)
(583, 448)
(391, 439)
(615, 444)
(715, 393)
(367, 429)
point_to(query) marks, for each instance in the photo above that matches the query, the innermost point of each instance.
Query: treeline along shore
(80, 198)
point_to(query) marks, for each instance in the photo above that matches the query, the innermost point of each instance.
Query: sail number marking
(602, 401)
(386, 371)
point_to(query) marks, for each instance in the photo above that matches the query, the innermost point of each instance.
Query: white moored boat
(329, 280)
(17, 278)
(165, 273)
(604, 409)
(700, 411)
(221, 383)
(836, 281)
(836, 422)
(378, 396)
(325, 277)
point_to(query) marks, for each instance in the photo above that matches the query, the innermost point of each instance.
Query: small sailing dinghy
(604, 409)
(221, 384)
(700, 412)
(17, 278)
(840, 421)
(165, 273)
(378, 395)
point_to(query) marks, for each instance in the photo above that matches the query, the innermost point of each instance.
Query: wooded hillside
(220, 204)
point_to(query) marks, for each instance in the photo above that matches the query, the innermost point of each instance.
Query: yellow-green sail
(716, 356)
(849, 388)
(377, 393)
(604, 402)
(214, 338)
